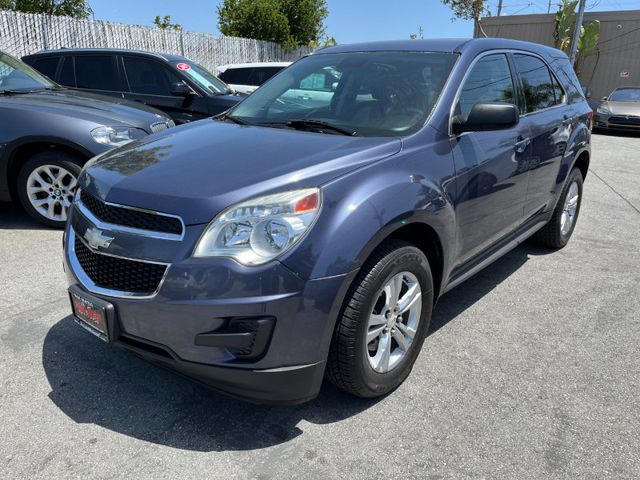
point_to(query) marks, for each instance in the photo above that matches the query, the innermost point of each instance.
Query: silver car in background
(620, 110)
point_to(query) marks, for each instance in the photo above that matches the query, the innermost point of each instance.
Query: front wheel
(558, 231)
(384, 322)
(46, 185)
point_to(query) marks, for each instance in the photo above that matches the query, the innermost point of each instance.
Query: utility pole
(499, 7)
(576, 32)
(549, 7)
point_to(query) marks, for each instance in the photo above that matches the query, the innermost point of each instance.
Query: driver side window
(489, 81)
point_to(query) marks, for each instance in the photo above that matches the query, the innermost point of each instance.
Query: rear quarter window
(565, 71)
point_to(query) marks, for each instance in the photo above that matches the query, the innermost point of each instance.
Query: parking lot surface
(531, 370)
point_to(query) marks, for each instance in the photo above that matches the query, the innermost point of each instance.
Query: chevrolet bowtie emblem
(95, 238)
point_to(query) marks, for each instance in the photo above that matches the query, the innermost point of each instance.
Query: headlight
(116, 136)
(603, 110)
(259, 230)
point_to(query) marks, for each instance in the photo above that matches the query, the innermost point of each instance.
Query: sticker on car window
(183, 66)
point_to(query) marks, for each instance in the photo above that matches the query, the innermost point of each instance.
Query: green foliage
(419, 35)
(467, 9)
(66, 8)
(164, 23)
(287, 22)
(565, 21)
(563, 33)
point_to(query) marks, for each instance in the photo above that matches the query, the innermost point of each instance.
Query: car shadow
(95, 383)
(13, 217)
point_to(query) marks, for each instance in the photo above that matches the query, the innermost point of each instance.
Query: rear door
(150, 82)
(550, 121)
(98, 73)
(491, 166)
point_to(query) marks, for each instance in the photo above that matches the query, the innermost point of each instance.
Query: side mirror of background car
(180, 89)
(487, 116)
(604, 99)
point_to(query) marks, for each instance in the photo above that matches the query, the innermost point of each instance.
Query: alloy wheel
(50, 191)
(393, 322)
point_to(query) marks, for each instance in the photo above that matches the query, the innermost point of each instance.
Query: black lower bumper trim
(277, 386)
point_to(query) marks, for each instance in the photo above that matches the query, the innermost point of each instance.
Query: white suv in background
(247, 77)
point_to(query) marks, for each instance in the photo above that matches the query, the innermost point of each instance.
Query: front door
(491, 166)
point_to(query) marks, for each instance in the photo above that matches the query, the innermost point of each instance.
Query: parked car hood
(97, 108)
(623, 108)
(199, 169)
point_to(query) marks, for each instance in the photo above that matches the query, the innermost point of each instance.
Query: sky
(349, 20)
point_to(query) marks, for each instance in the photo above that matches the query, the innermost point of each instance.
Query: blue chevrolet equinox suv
(308, 232)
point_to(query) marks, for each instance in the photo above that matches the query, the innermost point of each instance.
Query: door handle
(522, 144)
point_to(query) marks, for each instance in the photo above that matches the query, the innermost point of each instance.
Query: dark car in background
(620, 110)
(48, 132)
(317, 239)
(179, 87)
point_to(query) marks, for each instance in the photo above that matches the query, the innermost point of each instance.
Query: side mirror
(604, 99)
(586, 92)
(487, 116)
(180, 89)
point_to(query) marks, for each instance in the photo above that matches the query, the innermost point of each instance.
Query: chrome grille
(160, 126)
(119, 274)
(129, 217)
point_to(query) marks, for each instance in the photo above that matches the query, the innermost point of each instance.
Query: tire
(351, 364)
(553, 235)
(46, 184)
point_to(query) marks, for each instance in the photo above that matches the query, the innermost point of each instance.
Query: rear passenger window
(96, 72)
(262, 74)
(47, 66)
(67, 75)
(149, 77)
(537, 83)
(236, 76)
(489, 81)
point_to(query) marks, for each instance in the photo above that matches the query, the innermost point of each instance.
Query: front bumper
(201, 298)
(616, 122)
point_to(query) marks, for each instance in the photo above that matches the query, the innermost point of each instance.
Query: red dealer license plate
(90, 315)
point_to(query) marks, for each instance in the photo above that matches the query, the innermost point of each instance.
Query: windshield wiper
(226, 116)
(319, 125)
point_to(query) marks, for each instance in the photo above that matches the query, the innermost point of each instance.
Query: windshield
(18, 76)
(203, 78)
(625, 95)
(368, 93)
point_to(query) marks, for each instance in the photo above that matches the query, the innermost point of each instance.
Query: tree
(66, 8)
(563, 32)
(164, 23)
(419, 35)
(469, 10)
(287, 22)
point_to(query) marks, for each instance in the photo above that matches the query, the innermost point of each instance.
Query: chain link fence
(23, 33)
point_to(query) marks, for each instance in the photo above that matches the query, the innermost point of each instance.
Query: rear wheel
(558, 231)
(384, 322)
(46, 185)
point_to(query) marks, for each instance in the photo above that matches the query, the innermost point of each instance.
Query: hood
(623, 108)
(97, 108)
(197, 170)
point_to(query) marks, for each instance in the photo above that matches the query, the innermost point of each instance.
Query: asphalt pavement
(531, 370)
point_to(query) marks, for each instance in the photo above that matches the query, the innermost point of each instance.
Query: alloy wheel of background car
(46, 185)
(369, 357)
(393, 321)
(557, 232)
(50, 190)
